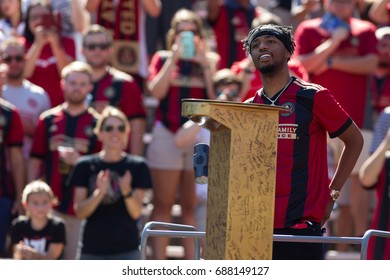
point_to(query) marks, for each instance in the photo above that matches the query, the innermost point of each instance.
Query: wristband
(130, 194)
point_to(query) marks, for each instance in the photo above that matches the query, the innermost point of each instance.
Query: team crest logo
(32, 103)
(355, 41)
(290, 106)
(88, 131)
(53, 128)
(3, 121)
(236, 21)
(109, 92)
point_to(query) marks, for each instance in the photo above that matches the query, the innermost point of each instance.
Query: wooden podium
(242, 175)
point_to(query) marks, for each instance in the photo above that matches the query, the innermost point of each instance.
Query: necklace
(262, 92)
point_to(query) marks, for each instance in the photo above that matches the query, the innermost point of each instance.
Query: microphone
(201, 162)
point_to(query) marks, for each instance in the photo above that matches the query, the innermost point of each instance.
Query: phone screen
(187, 43)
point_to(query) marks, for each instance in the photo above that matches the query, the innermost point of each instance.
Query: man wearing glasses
(113, 87)
(29, 99)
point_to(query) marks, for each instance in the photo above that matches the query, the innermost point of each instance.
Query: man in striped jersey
(304, 195)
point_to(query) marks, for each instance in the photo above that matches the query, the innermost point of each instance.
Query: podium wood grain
(242, 172)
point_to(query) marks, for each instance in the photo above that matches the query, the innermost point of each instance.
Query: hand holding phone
(47, 21)
(187, 44)
(330, 23)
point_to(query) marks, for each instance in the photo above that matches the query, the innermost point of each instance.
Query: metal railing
(186, 231)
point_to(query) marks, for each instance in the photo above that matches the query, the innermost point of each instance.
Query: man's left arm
(353, 144)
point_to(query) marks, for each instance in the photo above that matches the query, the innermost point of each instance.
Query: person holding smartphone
(47, 51)
(185, 70)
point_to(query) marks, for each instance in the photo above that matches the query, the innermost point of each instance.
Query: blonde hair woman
(109, 189)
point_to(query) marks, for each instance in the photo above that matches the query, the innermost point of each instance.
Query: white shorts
(162, 152)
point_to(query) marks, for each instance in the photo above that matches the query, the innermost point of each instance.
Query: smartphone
(187, 43)
(330, 22)
(47, 21)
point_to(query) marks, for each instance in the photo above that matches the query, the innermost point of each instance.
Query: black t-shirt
(110, 229)
(53, 232)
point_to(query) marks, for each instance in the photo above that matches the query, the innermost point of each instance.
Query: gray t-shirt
(30, 100)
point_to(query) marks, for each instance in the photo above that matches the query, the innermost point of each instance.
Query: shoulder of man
(119, 75)
(51, 112)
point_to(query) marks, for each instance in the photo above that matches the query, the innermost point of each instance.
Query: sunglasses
(101, 46)
(17, 58)
(110, 128)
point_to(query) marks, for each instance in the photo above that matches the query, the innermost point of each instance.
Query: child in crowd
(38, 235)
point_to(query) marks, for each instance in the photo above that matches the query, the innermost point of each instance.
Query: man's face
(97, 50)
(343, 9)
(76, 87)
(268, 54)
(13, 56)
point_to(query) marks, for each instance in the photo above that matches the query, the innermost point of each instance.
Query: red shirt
(11, 135)
(46, 73)
(348, 89)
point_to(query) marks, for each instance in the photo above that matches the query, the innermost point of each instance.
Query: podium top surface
(241, 105)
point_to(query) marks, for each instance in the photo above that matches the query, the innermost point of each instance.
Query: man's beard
(267, 69)
(15, 76)
(75, 100)
(98, 65)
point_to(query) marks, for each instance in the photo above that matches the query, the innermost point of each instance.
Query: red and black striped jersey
(11, 135)
(58, 128)
(120, 90)
(302, 182)
(186, 81)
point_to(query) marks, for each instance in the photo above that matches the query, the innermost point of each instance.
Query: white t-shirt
(30, 100)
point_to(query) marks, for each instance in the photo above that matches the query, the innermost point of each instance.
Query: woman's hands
(103, 182)
(125, 184)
